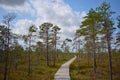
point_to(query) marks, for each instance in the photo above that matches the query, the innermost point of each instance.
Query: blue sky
(67, 14)
(85, 5)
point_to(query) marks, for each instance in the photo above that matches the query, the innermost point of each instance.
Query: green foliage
(32, 28)
(105, 10)
(68, 40)
(45, 26)
(3, 32)
(82, 32)
(118, 18)
(55, 29)
(91, 24)
(65, 45)
(26, 38)
(118, 33)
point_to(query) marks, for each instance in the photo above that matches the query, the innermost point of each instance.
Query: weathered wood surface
(63, 72)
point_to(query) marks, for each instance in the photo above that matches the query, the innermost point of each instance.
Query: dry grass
(86, 71)
(40, 71)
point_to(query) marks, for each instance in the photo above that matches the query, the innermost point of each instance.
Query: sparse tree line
(11, 49)
(97, 30)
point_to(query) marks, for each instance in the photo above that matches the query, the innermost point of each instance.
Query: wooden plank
(63, 72)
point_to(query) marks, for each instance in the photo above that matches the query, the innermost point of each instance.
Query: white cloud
(54, 11)
(22, 26)
(59, 13)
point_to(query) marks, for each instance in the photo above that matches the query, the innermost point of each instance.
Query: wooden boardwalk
(63, 72)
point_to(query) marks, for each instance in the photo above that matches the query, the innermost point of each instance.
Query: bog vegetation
(96, 44)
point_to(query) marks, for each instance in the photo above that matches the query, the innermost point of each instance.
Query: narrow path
(63, 72)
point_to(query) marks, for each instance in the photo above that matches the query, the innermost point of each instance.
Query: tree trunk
(6, 65)
(6, 54)
(55, 51)
(2, 54)
(94, 56)
(29, 62)
(47, 53)
(88, 57)
(109, 54)
(78, 62)
(78, 57)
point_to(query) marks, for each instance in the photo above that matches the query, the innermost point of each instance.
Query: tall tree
(90, 26)
(85, 33)
(40, 48)
(118, 33)
(55, 30)
(28, 38)
(106, 13)
(3, 31)
(65, 46)
(45, 30)
(77, 43)
(7, 19)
